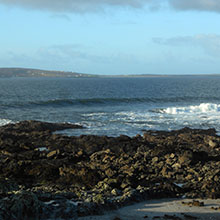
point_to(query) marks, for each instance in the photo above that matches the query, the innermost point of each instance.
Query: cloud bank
(75, 5)
(198, 5)
(83, 6)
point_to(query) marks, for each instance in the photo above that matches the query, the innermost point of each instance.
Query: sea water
(113, 106)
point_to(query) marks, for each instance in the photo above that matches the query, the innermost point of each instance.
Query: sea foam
(4, 121)
(196, 109)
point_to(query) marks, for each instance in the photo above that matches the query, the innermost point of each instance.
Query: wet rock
(186, 157)
(59, 209)
(100, 172)
(53, 153)
(189, 217)
(212, 144)
(194, 203)
(30, 126)
(117, 218)
(21, 206)
(8, 186)
(215, 208)
(173, 217)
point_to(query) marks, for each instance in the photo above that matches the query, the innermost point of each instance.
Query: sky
(112, 36)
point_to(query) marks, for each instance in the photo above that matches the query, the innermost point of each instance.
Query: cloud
(210, 43)
(83, 6)
(71, 53)
(76, 5)
(174, 41)
(198, 5)
(60, 57)
(72, 57)
(61, 17)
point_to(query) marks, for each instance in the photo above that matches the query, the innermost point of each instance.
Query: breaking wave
(4, 121)
(193, 109)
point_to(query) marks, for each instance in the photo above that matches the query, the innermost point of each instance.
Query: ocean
(114, 106)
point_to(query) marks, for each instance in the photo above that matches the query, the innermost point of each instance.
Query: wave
(4, 121)
(193, 109)
(93, 101)
(106, 101)
(75, 102)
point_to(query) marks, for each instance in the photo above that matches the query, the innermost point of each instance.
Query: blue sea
(114, 106)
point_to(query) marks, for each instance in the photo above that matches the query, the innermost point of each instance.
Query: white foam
(133, 121)
(197, 109)
(42, 149)
(94, 114)
(4, 122)
(180, 184)
(50, 202)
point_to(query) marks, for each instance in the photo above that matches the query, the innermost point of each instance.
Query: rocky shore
(44, 175)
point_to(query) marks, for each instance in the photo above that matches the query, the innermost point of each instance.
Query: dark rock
(116, 218)
(22, 206)
(26, 205)
(173, 217)
(59, 209)
(190, 217)
(194, 203)
(103, 172)
(33, 126)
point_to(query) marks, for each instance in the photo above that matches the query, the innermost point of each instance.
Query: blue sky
(112, 36)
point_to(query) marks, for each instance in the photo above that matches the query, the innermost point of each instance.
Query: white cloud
(60, 57)
(72, 57)
(210, 43)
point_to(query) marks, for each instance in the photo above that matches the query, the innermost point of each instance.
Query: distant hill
(25, 72)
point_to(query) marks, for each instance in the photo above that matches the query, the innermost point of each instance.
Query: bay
(113, 106)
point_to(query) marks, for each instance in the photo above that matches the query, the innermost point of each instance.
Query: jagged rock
(106, 171)
(194, 203)
(186, 157)
(53, 153)
(21, 206)
(59, 209)
(33, 126)
(7, 186)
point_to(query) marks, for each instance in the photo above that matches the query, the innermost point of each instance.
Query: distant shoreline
(28, 72)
